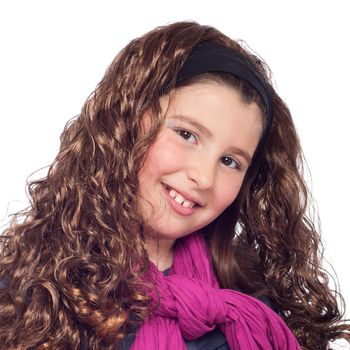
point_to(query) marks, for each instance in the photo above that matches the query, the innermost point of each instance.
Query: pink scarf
(191, 304)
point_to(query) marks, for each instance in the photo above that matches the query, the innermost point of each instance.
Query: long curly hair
(71, 264)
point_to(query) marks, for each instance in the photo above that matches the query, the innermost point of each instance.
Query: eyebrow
(208, 133)
(194, 123)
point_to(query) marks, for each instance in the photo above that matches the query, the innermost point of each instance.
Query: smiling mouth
(179, 199)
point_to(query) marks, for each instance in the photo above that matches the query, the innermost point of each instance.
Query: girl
(173, 213)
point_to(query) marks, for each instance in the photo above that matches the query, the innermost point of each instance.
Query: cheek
(228, 192)
(163, 158)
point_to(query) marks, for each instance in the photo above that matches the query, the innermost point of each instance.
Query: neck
(160, 252)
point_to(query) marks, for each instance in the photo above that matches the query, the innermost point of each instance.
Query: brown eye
(230, 162)
(187, 135)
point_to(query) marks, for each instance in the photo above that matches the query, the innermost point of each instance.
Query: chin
(171, 232)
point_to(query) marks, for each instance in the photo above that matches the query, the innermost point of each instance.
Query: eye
(230, 162)
(187, 135)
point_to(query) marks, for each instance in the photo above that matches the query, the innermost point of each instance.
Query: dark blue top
(214, 340)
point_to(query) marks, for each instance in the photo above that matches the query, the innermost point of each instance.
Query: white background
(53, 53)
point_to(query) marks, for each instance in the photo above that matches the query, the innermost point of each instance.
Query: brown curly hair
(71, 264)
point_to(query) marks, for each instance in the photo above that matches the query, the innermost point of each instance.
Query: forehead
(212, 85)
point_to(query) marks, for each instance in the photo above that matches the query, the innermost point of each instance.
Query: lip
(178, 208)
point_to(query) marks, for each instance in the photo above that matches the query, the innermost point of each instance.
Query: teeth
(172, 193)
(187, 204)
(180, 200)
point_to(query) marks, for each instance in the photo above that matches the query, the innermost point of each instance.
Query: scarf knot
(196, 306)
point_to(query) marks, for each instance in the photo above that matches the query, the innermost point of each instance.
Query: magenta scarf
(191, 304)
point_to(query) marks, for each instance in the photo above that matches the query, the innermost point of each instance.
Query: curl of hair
(71, 270)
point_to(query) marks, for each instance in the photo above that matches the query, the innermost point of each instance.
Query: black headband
(209, 57)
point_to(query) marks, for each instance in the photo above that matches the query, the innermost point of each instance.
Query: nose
(202, 171)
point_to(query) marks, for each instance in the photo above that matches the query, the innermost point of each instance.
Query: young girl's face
(195, 167)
